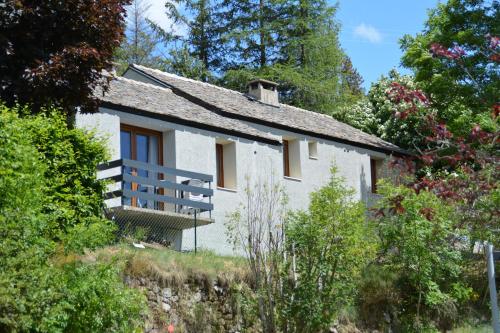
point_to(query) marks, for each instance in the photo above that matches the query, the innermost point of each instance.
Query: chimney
(264, 91)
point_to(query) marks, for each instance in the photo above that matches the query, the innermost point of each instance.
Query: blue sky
(370, 30)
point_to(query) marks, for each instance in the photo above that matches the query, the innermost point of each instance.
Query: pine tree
(140, 44)
(252, 35)
(306, 58)
(202, 40)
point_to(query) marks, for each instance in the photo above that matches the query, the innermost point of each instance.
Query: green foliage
(140, 43)
(99, 302)
(36, 294)
(183, 63)
(420, 242)
(359, 115)
(73, 195)
(330, 243)
(471, 80)
(405, 133)
(299, 49)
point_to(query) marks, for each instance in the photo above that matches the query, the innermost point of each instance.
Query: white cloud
(368, 32)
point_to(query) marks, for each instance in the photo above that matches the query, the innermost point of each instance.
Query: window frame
(286, 158)
(219, 162)
(134, 130)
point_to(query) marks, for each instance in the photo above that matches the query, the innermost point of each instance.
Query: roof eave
(181, 121)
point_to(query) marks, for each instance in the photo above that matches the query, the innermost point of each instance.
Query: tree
(182, 63)
(140, 42)
(252, 37)
(328, 246)
(302, 54)
(60, 65)
(420, 241)
(352, 79)
(360, 115)
(394, 122)
(257, 229)
(453, 61)
(202, 39)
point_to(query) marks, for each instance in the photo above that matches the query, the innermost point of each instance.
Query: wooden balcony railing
(153, 186)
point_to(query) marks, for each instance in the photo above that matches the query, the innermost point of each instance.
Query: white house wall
(193, 149)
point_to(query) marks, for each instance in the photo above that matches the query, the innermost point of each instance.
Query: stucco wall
(194, 150)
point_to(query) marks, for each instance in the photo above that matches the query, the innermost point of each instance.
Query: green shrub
(331, 242)
(420, 244)
(36, 293)
(73, 195)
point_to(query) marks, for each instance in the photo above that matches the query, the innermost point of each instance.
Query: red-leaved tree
(464, 170)
(54, 52)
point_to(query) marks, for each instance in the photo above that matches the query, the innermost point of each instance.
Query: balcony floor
(144, 217)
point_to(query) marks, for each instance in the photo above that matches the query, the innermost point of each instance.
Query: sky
(369, 34)
(371, 29)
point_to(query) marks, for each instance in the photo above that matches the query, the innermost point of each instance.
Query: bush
(73, 195)
(420, 244)
(36, 294)
(329, 245)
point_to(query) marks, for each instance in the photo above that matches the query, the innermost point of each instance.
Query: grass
(175, 268)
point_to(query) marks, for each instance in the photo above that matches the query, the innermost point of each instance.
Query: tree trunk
(262, 35)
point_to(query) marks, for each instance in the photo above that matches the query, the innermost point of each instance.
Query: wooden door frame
(133, 150)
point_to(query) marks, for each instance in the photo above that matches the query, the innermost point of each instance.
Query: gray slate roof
(242, 106)
(135, 95)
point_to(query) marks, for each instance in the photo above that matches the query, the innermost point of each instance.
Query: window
(144, 145)
(374, 174)
(291, 158)
(286, 159)
(225, 159)
(313, 150)
(219, 152)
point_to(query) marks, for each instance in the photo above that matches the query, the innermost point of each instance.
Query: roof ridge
(140, 83)
(189, 80)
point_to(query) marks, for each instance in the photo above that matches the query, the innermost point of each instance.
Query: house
(181, 149)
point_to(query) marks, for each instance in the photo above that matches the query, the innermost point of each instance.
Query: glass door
(144, 145)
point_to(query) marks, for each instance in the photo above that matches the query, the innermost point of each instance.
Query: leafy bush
(36, 294)
(420, 243)
(73, 195)
(329, 245)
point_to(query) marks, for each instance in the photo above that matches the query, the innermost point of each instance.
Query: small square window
(313, 150)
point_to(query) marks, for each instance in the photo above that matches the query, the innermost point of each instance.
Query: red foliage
(439, 50)
(53, 52)
(458, 164)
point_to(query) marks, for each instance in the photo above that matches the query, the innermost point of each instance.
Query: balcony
(160, 199)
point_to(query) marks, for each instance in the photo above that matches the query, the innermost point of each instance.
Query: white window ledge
(225, 189)
(293, 178)
(313, 157)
